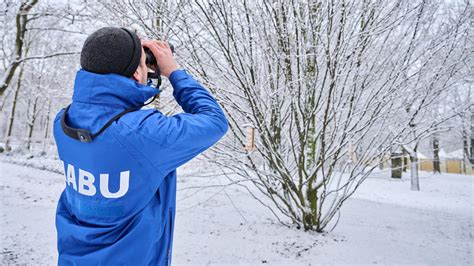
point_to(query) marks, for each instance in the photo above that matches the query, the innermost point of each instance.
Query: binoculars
(150, 58)
(151, 61)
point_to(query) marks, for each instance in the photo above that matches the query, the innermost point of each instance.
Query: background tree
(40, 42)
(14, 56)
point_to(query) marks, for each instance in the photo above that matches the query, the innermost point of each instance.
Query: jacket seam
(146, 137)
(103, 103)
(151, 139)
(131, 154)
(134, 130)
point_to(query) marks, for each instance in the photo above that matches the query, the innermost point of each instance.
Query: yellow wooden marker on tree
(249, 138)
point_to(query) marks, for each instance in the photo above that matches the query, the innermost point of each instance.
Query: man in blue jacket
(118, 205)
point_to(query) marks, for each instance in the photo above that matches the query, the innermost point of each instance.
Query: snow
(384, 223)
(457, 154)
(28, 198)
(442, 154)
(421, 156)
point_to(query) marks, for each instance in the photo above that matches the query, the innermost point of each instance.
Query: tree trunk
(396, 165)
(436, 163)
(46, 126)
(415, 183)
(12, 112)
(471, 157)
(31, 122)
(405, 161)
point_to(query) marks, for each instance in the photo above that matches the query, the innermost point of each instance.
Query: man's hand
(164, 57)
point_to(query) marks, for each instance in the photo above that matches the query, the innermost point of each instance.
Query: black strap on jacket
(85, 135)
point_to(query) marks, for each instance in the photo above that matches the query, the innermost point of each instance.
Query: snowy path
(384, 223)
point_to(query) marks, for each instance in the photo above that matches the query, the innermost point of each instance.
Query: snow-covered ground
(384, 223)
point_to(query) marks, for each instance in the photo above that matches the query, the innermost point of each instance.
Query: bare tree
(40, 41)
(21, 20)
(314, 76)
(437, 65)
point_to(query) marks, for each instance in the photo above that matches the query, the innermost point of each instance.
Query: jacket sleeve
(179, 138)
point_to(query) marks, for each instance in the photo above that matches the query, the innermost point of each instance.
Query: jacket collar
(110, 89)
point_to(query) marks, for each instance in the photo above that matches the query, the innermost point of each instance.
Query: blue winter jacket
(118, 206)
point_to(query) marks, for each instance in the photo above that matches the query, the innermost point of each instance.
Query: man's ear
(136, 75)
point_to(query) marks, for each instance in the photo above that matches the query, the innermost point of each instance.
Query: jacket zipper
(169, 238)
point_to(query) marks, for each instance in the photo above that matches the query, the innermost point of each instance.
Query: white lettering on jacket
(86, 179)
(104, 185)
(85, 183)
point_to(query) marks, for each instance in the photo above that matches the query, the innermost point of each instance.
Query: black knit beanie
(111, 50)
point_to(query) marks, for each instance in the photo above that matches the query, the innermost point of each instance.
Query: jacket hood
(110, 89)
